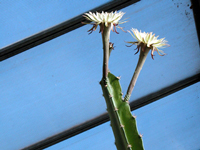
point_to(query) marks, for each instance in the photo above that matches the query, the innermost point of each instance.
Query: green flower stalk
(145, 42)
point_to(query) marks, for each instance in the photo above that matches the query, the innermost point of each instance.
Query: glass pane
(54, 86)
(20, 19)
(171, 123)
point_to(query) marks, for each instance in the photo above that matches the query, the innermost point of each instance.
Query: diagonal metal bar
(196, 11)
(58, 30)
(104, 117)
(73, 24)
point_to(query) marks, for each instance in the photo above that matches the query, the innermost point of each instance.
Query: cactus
(123, 123)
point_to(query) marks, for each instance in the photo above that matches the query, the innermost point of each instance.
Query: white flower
(148, 40)
(104, 20)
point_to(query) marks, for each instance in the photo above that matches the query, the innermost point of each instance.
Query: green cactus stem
(122, 121)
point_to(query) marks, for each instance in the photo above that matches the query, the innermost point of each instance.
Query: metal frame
(104, 117)
(196, 11)
(75, 23)
(58, 30)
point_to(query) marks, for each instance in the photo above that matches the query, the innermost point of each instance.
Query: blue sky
(54, 86)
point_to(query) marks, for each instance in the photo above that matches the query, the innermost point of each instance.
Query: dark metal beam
(196, 11)
(164, 92)
(75, 23)
(58, 30)
(104, 117)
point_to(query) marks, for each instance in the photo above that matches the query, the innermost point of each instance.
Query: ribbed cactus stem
(122, 122)
(142, 58)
